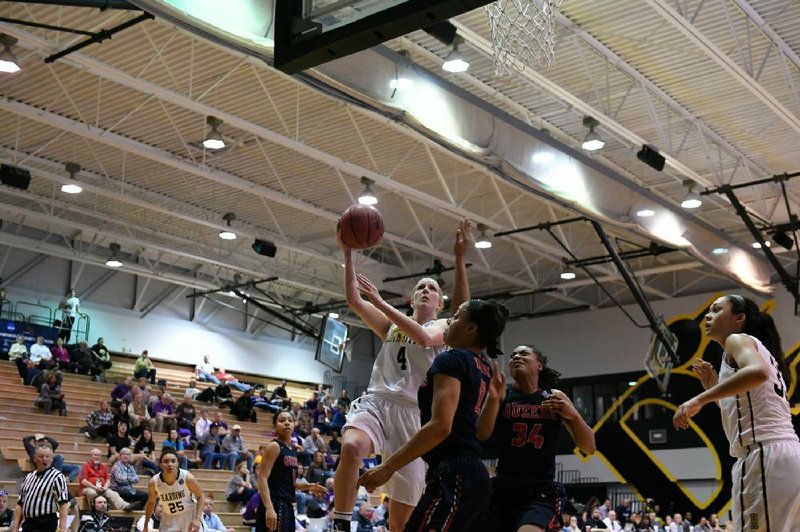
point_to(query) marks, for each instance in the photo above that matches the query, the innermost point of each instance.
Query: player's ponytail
(762, 326)
(490, 317)
(548, 377)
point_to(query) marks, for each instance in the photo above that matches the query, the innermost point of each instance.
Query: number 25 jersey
(400, 366)
(526, 435)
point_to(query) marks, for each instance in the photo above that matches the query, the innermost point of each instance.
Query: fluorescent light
(543, 157)
(483, 244)
(645, 213)
(113, 263)
(719, 251)
(333, 315)
(71, 188)
(568, 274)
(227, 235)
(757, 245)
(401, 84)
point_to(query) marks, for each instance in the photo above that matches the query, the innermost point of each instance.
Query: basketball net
(523, 33)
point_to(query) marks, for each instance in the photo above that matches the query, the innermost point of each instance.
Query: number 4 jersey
(526, 435)
(401, 365)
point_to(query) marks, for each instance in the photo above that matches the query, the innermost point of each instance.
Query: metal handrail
(36, 306)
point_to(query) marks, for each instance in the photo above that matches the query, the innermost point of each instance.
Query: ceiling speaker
(15, 177)
(264, 247)
(649, 155)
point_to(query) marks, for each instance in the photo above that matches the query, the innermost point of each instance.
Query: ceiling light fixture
(482, 242)
(72, 188)
(113, 261)
(214, 140)
(401, 84)
(719, 251)
(455, 60)
(645, 213)
(9, 64)
(757, 245)
(228, 234)
(692, 200)
(592, 140)
(367, 197)
(567, 274)
(333, 315)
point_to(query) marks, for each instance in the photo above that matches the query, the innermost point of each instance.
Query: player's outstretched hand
(706, 373)
(685, 412)
(497, 386)
(368, 289)
(559, 403)
(463, 238)
(316, 489)
(376, 477)
(345, 248)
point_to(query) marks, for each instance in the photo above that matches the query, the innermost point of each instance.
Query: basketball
(361, 226)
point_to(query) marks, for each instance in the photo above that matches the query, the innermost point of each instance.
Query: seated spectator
(209, 395)
(318, 472)
(223, 427)
(595, 521)
(242, 409)
(311, 404)
(83, 361)
(320, 419)
(118, 441)
(155, 519)
(263, 403)
(317, 506)
(363, 517)
(224, 394)
(174, 440)
(343, 402)
(95, 480)
(40, 354)
(279, 396)
(103, 356)
(202, 424)
(32, 443)
(60, 354)
(314, 442)
(143, 367)
(154, 397)
(205, 371)
(611, 521)
(50, 397)
(97, 519)
(122, 392)
(164, 412)
(144, 453)
(232, 381)
(124, 480)
(192, 390)
(334, 445)
(249, 515)
(300, 497)
(240, 487)
(186, 413)
(99, 423)
(6, 513)
(211, 449)
(139, 413)
(233, 445)
(572, 525)
(381, 514)
(144, 388)
(123, 416)
(304, 425)
(211, 521)
(18, 354)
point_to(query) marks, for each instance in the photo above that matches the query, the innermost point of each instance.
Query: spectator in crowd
(164, 412)
(192, 390)
(139, 413)
(60, 354)
(317, 506)
(232, 381)
(202, 424)
(677, 524)
(209, 395)
(279, 394)
(223, 427)
(703, 526)
(143, 367)
(40, 354)
(240, 487)
(83, 361)
(124, 480)
(97, 519)
(50, 397)
(186, 413)
(205, 371)
(123, 416)
(211, 448)
(155, 520)
(33, 442)
(381, 514)
(154, 397)
(623, 511)
(211, 521)
(334, 445)
(588, 508)
(311, 404)
(174, 440)
(122, 392)
(6, 513)
(301, 498)
(70, 308)
(314, 441)
(95, 479)
(263, 403)
(343, 402)
(144, 453)
(320, 419)
(687, 520)
(103, 356)
(363, 517)
(604, 508)
(18, 354)
(318, 472)
(611, 521)
(595, 521)
(43, 498)
(572, 525)
(234, 447)
(117, 441)
(242, 409)
(100, 422)
(224, 394)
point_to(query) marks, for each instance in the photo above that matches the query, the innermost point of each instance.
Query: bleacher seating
(21, 418)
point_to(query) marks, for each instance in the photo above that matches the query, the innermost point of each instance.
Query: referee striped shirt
(42, 493)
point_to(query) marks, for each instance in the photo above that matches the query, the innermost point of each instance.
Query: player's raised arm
(460, 247)
(371, 316)
(497, 390)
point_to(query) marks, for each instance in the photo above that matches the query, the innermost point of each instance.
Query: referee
(43, 499)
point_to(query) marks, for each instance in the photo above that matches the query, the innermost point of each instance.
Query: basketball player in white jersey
(751, 390)
(388, 416)
(174, 487)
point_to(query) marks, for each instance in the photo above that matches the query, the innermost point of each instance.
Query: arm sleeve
(450, 363)
(60, 488)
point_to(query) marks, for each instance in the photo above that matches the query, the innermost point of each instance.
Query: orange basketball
(361, 226)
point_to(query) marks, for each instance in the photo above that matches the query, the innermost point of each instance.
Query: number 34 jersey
(400, 366)
(526, 435)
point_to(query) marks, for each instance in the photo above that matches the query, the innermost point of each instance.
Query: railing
(81, 327)
(41, 319)
(43, 315)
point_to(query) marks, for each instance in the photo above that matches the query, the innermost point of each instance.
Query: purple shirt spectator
(160, 407)
(120, 391)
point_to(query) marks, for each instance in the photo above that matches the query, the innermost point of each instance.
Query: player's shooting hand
(366, 287)
(685, 412)
(375, 478)
(345, 248)
(463, 238)
(559, 403)
(497, 386)
(706, 373)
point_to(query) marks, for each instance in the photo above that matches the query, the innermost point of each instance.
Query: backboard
(312, 32)
(661, 355)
